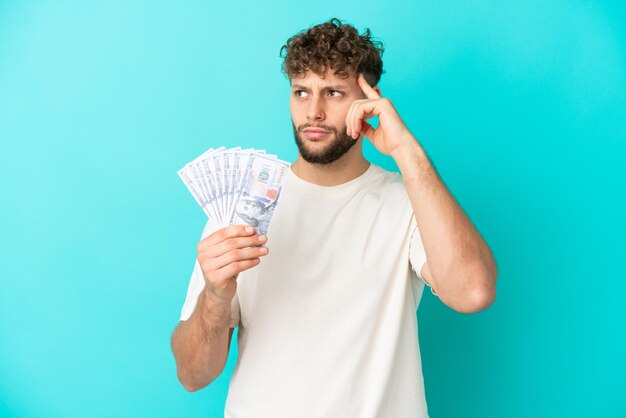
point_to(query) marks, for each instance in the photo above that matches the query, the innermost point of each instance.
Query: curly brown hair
(336, 46)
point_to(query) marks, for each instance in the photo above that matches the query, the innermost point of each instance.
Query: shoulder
(390, 183)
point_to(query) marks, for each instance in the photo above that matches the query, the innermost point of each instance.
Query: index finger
(228, 232)
(370, 93)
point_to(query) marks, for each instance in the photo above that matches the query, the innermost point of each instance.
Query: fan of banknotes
(235, 186)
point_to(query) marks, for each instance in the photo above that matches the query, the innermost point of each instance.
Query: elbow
(482, 293)
(478, 301)
(187, 383)
(190, 385)
(191, 388)
(186, 375)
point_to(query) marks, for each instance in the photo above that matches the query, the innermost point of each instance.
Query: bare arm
(464, 271)
(460, 267)
(201, 344)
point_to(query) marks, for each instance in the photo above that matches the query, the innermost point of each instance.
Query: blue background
(520, 105)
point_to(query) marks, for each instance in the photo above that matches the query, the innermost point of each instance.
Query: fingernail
(249, 229)
(262, 238)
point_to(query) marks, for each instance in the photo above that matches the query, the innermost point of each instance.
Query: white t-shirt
(327, 321)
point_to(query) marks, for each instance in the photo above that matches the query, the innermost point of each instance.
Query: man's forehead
(321, 86)
(330, 80)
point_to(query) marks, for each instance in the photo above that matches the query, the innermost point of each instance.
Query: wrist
(409, 149)
(409, 156)
(215, 312)
(215, 302)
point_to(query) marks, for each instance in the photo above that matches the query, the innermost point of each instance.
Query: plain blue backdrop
(520, 105)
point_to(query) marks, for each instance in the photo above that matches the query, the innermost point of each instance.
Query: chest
(324, 248)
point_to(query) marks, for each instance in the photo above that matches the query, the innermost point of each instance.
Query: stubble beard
(334, 150)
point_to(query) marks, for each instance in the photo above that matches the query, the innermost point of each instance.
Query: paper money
(236, 186)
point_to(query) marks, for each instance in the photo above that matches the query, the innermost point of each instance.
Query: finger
(241, 254)
(234, 269)
(370, 93)
(228, 232)
(367, 130)
(366, 110)
(223, 247)
(353, 119)
(349, 117)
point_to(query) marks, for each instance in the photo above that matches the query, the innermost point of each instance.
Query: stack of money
(235, 186)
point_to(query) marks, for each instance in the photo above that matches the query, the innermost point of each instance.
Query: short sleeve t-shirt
(327, 321)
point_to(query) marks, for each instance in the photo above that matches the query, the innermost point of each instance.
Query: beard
(331, 152)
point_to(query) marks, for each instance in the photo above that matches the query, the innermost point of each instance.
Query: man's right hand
(227, 252)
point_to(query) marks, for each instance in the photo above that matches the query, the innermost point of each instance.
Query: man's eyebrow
(335, 87)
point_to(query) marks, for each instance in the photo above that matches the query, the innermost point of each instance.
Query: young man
(327, 321)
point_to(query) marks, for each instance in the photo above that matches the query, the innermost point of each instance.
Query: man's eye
(335, 93)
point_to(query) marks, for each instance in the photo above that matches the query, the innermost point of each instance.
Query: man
(327, 322)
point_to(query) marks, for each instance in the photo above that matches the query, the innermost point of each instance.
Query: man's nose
(316, 110)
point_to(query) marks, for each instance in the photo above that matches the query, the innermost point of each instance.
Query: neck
(350, 166)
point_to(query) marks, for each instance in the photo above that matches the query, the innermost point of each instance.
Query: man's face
(319, 107)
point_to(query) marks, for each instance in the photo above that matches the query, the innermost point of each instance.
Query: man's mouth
(315, 133)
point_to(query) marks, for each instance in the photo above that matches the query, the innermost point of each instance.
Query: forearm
(460, 262)
(200, 344)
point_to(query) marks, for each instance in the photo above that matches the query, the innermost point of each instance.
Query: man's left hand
(391, 134)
